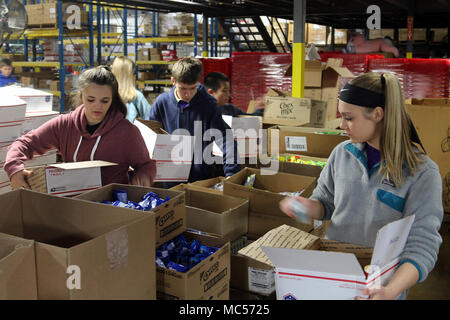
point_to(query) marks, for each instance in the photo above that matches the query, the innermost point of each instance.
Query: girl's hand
(18, 179)
(377, 293)
(141, 180)
(314, 207)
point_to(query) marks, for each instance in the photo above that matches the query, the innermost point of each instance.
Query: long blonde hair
(396, 147)
(123, 69)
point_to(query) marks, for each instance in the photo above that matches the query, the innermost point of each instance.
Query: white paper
(261, 281)
(391, 240)
(296, 143)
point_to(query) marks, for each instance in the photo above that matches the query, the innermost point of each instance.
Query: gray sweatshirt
(358, 203)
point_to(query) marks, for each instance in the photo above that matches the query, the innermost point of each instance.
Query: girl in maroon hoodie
(96, 130)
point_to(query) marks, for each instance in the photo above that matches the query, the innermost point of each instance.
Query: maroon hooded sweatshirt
(115, 140)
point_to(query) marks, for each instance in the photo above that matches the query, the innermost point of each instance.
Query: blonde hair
(123, 69)
(396, 147)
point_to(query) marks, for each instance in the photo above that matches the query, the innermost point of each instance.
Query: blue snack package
(159, 263)
(119, 204)
(177, 267)
(195, 246)
(121, 195)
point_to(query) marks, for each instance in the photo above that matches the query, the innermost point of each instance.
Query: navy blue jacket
(6, 80)
(230, 110)
(202, 107)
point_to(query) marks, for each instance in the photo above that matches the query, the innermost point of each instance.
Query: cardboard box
(148, 75)
(221, 215)
(419, 34)
(252, 271)
(246, 132)
(297, 168)
(264, 198)
(12, 114)
(83, 250)
(337, 275)
(36, 100)
(50, 13)
(143, 54)
(34, 120)
(439, 34)
(173, 153)
(208, 185)
(170, 218)
(333, 77)
(317, 112)
(18, 269)
(381, 33)
(67, 179)
(431, 118)
(286, 110)
(203, 281)
(34, 13)
(313, 142)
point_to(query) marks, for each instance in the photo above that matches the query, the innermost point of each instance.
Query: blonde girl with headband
(137, 104)
(95, 130)
(376, 177)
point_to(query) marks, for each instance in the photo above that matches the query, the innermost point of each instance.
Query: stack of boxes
(23, 109)
(46, 13)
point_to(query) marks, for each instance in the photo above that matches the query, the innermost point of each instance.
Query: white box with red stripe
(331, 275)
(67, 179)
(173, 153)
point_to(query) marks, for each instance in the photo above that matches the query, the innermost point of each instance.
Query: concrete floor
(437, 285)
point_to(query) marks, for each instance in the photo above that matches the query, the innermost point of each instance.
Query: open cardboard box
(208, 185)
(207, 280)
(264, 198)
(67, 179)
(431, 118)
(173, 153)
(170, 217)
(113, 250)
(17, 269)
(217, 214)
(337, 274)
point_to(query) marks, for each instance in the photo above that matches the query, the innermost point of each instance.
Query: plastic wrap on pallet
(216, 65)
(419, 78)
(254, 73)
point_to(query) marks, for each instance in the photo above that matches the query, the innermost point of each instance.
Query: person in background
(218, 85)
(96, 130)
(186, 103)
(6, 70)
(137, 104)
(379, 176)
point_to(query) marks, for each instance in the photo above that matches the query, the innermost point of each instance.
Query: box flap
(82, 164)
(341, 71)
(314, 260)
(282, 237)
(390, 241)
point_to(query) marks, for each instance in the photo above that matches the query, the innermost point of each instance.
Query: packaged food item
(181, 255)
(298, 159)
(150, 201)
(250, 180)
(300, 211)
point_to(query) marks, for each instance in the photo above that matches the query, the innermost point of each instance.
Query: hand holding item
(18, 179)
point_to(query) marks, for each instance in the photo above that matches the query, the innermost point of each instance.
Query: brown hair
(187, 70)
(102, 76)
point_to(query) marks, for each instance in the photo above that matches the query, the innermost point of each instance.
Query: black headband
(366, 98)
(361, 97)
